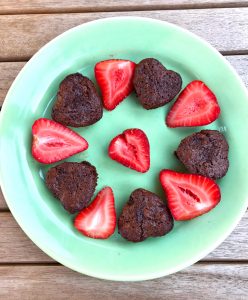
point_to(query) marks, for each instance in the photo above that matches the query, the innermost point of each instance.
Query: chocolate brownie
(144, 215)
(205, 153)
(154, 84)
(73, 184)
(78, 103)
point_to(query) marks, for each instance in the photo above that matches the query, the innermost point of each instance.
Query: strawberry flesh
(53, 142)
(189, 195)
(131, 149)
(98, 220)
(195, 106)
(114, 78)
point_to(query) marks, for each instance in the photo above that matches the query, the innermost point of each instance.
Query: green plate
(32, 95)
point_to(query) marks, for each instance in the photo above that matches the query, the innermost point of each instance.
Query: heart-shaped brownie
(154, 84)
(205, 153)
(73, 184)
(144, 215)
(78, 103)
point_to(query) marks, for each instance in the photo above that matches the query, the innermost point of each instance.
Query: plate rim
(54, 255)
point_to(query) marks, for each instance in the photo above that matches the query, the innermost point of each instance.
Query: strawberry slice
(53, 142)
(195, 106)
(114, 77)
(189, 195)
(98, 220)
(131, 149)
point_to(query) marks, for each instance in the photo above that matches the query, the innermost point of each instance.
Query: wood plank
(22, 248)
(240, 64)
(22, 35)
(3, 205)
(234, 248)
(9, 70)
(212, 281)
(48, 6)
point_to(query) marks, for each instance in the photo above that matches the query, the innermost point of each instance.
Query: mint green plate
(31, 97)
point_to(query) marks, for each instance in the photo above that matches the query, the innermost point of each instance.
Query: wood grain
(234, 248)
(48, 6)
(201, 281)
(9, 70)
(3, 205)
(25, 271)
(23, 35)
(240, 64)
(15, 246)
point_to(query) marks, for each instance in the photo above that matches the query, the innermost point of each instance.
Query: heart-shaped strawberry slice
(145, 215)
(98, 220)
(131, 149)
(114, 77)
(189, 195)
(195, 106)
(53, 142)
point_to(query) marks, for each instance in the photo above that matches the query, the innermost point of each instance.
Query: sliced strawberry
(131, 149)
(114, 77)
(53, 142)
(189, 195)
(98, 220)
(195, 106)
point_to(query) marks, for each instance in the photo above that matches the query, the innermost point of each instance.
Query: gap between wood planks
(54, 263)
(103, 9)
(26, 59)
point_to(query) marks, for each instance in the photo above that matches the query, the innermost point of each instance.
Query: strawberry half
(189, 195)
(195, 106)
(53, 142)
(98, 220)
(131, 149)
(114, 77)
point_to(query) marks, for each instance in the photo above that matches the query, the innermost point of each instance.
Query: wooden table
(25, 271)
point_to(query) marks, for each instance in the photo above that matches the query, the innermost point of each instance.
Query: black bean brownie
(78, 103)
(73, 184)
(144, 215)
(154, 84)
(205, 153)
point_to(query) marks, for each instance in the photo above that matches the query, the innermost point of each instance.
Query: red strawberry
(189, 195)
(131, 149)
(114, 77)
(195, 106)
(53, 142)
(98, 220)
